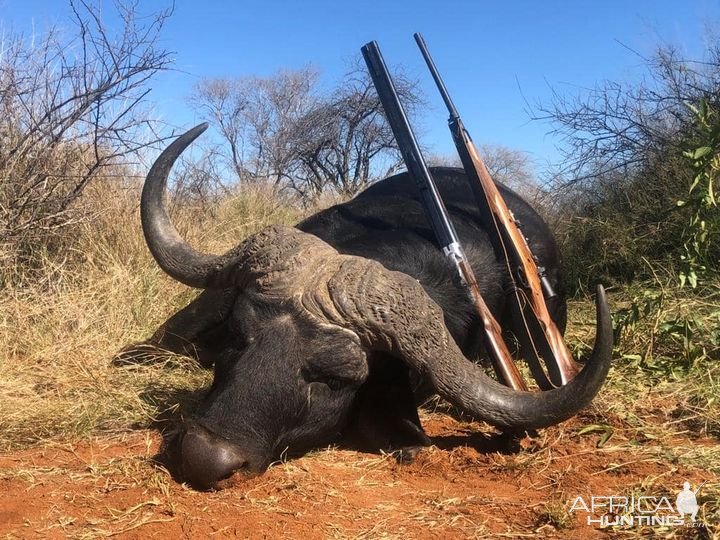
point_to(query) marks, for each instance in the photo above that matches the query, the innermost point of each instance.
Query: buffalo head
(305, 322)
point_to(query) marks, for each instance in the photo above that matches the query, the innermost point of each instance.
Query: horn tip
(197, 130)
(184, 140)
(600, 292)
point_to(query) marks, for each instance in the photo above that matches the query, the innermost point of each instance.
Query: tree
(507, 165)
(702, 250)
(282, 128)
(624, 172)
(353, 144)
(70, 109)
(259, 119)
(621, 126)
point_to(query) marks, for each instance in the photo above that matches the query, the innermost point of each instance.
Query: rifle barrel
(436, 76)
(409, 148)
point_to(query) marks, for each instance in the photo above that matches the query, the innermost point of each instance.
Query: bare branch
(71, 109)
(283, 129)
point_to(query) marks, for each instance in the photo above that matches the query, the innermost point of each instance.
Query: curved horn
(394, 313)
(174, 255)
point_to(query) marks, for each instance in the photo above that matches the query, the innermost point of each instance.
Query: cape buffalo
(342, 322)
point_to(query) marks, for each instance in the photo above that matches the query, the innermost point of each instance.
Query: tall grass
(60, 328)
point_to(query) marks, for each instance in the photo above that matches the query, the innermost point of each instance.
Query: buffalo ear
(339, 358)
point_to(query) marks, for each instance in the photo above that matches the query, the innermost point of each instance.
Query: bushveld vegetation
(635, 206)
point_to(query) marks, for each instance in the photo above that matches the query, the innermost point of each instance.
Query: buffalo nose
(207, 458)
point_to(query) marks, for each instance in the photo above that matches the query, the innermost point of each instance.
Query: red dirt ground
(467, 486)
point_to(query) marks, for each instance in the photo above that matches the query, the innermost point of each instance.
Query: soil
(470, 484)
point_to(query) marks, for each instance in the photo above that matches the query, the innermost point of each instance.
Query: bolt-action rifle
(537, 333)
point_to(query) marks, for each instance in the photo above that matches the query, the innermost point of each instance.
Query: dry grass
(59, 333)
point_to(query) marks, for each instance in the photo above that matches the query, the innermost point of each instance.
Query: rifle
(437, 214)
(537, 333)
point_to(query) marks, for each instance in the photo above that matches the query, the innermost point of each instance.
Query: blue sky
(495, 57)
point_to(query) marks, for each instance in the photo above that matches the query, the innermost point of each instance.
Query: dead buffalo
(342, 323)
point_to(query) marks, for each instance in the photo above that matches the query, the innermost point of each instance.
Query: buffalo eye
(333, 384)
(330, 382)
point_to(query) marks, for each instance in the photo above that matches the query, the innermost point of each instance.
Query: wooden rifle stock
(437, 215)
(528, 288)
(500, 356)
(537, 332)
